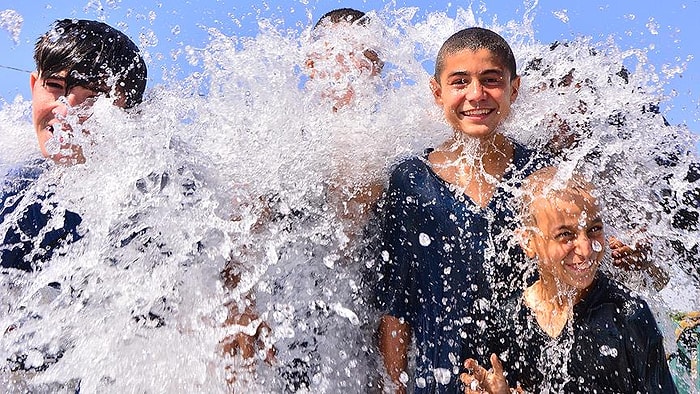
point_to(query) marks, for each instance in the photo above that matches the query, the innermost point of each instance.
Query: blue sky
(667, 33)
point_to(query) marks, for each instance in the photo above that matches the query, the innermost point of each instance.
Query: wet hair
(347, 15)
(473, 39)
(94, 55)
(548, 183)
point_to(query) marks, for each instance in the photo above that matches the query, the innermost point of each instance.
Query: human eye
(595, 230)
(459, 83)
(565, 236)
(492, 81)
(54, 86)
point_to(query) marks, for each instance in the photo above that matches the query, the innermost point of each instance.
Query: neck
(474, 166)
(555, 294)
(551, 309)
(489, 154)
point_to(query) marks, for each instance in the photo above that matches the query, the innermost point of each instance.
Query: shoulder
(628, 307)
(411, 172)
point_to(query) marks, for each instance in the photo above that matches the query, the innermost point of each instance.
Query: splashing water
(261, 176)
(11, 21)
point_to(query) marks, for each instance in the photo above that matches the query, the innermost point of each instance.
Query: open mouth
(580, 267)
(481, 112)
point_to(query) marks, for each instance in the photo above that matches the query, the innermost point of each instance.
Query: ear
(515, 87)
(526, 240)
(33, 77)
(437, 91)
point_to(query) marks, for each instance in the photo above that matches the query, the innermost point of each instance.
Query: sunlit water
(246, 165)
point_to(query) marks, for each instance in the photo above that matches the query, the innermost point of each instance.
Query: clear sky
(667, 32)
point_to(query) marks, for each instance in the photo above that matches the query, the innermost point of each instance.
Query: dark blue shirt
(25, 214)
(446, 260)
(613, 345)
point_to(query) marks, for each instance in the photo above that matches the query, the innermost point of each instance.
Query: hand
(627, 258)
(482, 381)
(245, 342)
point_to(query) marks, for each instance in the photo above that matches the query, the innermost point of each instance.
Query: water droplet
(442, 375)
(403, 378)
(424, 239)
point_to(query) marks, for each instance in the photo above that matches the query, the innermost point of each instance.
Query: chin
(476, 133)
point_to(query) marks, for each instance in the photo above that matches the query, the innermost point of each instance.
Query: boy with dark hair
(76, 61)
(447, 260)
(342, 59)
(573, 330)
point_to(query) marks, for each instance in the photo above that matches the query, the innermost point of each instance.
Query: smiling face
(475, 91)
(568, 240)
(50, 105)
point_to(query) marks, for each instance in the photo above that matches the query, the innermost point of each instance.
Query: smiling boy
(573, 330)
(447, 216)
(76, 61)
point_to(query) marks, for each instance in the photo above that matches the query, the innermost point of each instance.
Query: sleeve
(397, 267)
(646, 353)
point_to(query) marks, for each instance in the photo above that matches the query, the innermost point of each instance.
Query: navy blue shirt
(445, 260)
(613, 345)
(25, 214)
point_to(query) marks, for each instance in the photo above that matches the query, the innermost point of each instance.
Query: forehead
(565, 210)
(472, 62)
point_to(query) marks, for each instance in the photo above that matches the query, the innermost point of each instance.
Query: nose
(584, 247)
(475, 91)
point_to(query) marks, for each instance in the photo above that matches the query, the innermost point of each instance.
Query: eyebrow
(96, 87)
(483, 72)
(597, 220)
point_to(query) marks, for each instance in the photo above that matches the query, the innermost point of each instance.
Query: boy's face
(341, 61)
(475, 92)
(569, 240)
(49, 113)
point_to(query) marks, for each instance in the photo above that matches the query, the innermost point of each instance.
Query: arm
(245, 342)
(394, 339)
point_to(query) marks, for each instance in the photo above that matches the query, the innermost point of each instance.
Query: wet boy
(76, 61)
(448, 217)
(573, 330)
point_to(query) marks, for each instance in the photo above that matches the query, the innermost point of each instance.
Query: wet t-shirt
(612, 345)
(30, 227)
(447, 263)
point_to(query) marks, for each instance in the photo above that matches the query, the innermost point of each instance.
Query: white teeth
(477, 112)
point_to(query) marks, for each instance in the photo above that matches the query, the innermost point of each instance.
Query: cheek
(451, 99)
